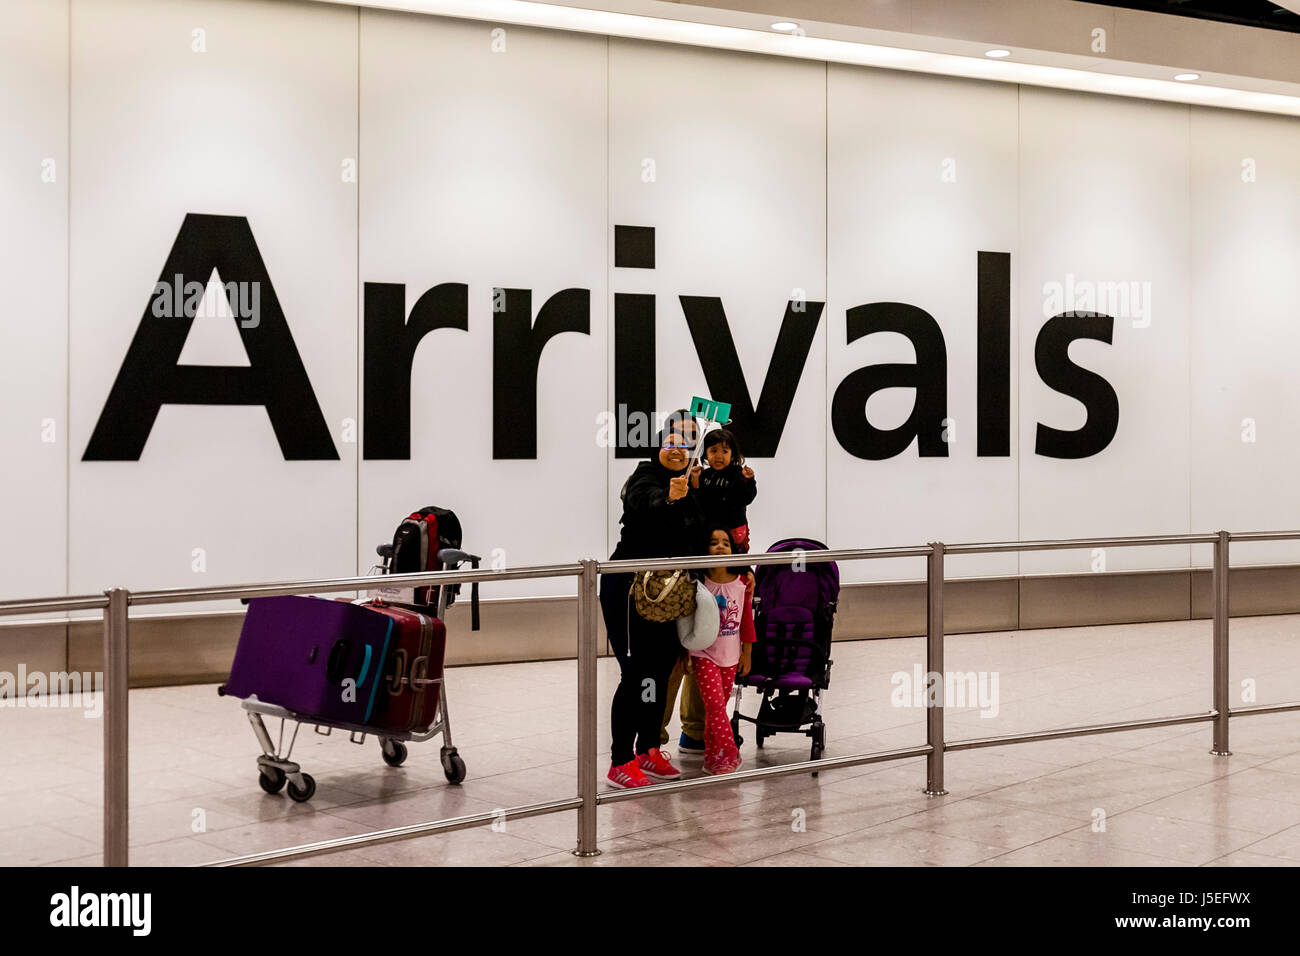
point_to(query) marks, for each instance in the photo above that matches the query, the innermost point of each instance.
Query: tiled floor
(1152, 797)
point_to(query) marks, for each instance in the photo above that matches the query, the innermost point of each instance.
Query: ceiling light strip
(767, 41)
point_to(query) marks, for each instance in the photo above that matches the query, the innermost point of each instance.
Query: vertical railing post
(587, 603)
(1221, 704)
(117, 661)
(935, 688)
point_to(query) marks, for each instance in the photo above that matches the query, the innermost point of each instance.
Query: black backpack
(416, 544)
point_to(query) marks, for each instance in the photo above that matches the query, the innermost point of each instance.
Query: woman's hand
(746, 653)
(677, 488)
(748, 473)
(695, 476)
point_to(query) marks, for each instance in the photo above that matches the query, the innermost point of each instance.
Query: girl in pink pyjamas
(715, 667)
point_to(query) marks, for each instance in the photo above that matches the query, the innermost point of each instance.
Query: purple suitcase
(297, 653)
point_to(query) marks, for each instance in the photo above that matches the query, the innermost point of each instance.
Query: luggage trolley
(275, 766)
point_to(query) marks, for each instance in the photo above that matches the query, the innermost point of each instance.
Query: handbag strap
(663, 591)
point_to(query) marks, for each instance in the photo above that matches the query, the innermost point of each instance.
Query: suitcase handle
(337, 663)
(398, 676)
(419, 670)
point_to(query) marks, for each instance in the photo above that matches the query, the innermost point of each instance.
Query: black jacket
(724, 496)
(654, 527)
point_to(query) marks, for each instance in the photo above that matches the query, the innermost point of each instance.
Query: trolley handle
(453, 558)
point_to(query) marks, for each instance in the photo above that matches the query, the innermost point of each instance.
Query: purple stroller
(794, 613)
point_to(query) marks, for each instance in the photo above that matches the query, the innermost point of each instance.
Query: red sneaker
(721, 767)
(627, 775)
(656, 764)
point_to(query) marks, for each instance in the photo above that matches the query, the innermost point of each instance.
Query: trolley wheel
(398, 756)
(271, 779)
(735, 731)
(305, 794)
(453, 767)
(758, 739)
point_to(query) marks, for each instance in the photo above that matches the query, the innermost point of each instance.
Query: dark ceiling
(1255, 13)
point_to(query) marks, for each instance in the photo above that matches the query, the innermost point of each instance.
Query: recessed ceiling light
(997, 54)
(1187, 77)
(785, 26)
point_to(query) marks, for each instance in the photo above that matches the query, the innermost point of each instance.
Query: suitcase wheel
(453, 767)
(305, 794)
(271, 779)
(398, 756)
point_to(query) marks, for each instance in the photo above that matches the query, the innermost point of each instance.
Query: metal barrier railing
(116, 602)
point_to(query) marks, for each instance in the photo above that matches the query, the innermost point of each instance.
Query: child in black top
(727, 487)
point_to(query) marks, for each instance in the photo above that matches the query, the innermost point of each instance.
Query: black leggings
(646, 652)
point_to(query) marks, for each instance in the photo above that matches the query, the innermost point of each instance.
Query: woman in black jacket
(661, 518)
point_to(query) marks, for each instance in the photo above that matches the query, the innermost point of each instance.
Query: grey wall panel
(1104, 599)
(1250, 591)
(30, 649)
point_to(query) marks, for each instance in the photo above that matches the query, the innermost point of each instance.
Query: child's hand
(695, 476)
(746, 652)
(748, 473)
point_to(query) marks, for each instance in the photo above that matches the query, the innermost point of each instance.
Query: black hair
(673, 422)
(740, 570)
(721, 436)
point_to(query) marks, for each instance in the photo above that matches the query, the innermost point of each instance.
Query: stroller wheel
(305, 794)
(818, 741)
(735, 731)
(453, 767)
(398, 756)
(271, 780)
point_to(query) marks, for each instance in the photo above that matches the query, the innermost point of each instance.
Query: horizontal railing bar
(36, 606)
(990, 547)
(360, 583)
(365, 582)
(803, 766)
(974, 743)
(97, 603)
(758, 558)
(397, 834)
(1263, 535)
(1263, 709)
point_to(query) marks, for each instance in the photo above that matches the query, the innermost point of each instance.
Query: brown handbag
(663, 595)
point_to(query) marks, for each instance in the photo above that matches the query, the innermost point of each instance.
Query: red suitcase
(408, 703)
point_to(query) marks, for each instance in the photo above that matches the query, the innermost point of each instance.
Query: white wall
(34, 177)
(505, 159)
(256, 126)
